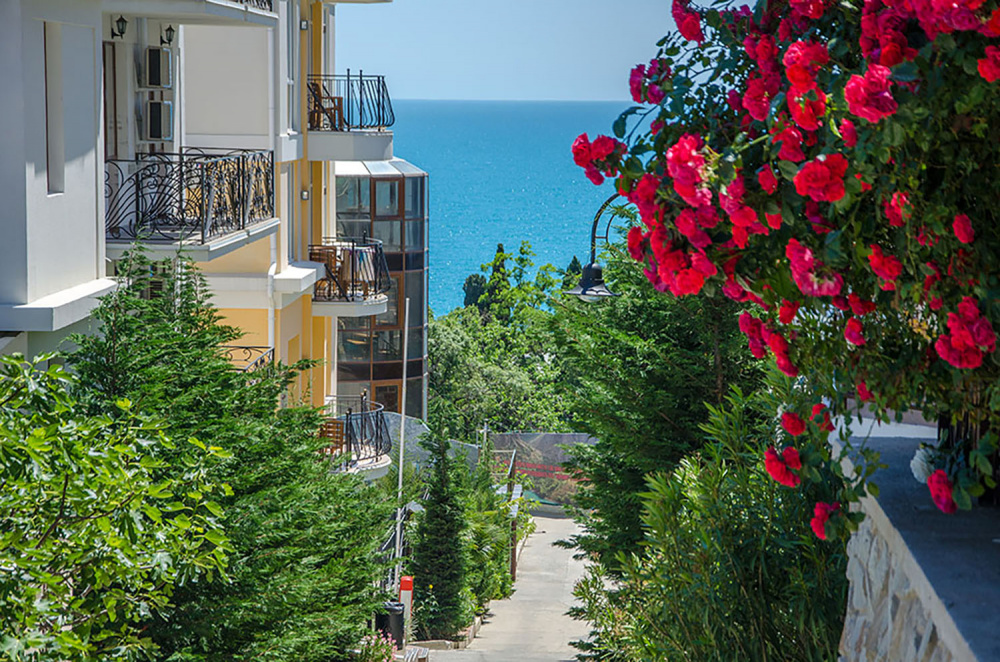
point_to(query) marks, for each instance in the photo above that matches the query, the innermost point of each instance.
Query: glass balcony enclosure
(387, 201)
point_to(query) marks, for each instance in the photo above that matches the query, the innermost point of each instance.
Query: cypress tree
(439, 567)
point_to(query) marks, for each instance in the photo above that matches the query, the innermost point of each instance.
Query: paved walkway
(532, 625)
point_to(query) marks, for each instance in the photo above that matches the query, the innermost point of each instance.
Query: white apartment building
(220, 127)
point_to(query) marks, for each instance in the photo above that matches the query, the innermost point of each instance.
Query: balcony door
(115, 104)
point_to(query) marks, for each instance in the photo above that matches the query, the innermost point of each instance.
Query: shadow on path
(532, 626)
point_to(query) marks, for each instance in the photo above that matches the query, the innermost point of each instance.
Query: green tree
(474, 288)
(638, 370)
(571, 275)
(439, 555)
(498, 364)
(304, 562)
(729, 569)
(91, 539)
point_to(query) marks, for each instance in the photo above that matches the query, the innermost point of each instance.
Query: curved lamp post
(591, 286)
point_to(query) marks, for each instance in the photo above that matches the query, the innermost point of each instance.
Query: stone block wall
(886, 619)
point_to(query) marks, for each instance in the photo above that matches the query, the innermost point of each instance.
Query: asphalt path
(532, 626)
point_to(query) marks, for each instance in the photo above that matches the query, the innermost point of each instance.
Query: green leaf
(788, 169)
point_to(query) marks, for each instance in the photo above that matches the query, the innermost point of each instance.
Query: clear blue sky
(502, 49)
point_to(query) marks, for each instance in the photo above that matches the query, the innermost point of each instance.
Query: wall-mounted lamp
(121, 23)
(168, 36)
(305, 194)
(591, 286)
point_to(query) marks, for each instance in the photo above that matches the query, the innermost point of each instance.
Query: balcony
(355, 279)
(207, 201)
(201, 12)
(356, 436)
(248, 358)
(348, 116)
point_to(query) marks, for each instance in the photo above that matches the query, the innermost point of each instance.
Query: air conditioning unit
(158, 71)
(158, 121)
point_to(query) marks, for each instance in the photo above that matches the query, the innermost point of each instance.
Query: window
(414, 197)
(55, 131)
(353, 197)
(391, 315)
(387, 198)
(414, 235)
(415, 291)
(388, 345)
(390, 233)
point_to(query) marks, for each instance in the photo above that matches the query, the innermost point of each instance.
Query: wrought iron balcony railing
(266, 5)
(248, 358)
(346, 103)
(354, 270)
(197, 194)
(355, 431)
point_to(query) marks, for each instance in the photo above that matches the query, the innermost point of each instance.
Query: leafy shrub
(728, 570)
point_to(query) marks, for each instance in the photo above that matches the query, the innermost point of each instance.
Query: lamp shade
(591, 286)
(169, 32)
(121, 23)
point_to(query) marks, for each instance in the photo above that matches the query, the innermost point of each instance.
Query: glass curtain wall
(370, 349)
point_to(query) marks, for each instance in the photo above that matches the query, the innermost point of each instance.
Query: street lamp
(591, 286)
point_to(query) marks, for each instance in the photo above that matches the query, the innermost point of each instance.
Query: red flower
(941, 492)
(688, 22)
(602, 148)
(989, 66)
(802, 60)
(969, 337)
(859, 306)
(827, 424)
(806, 112)
(821, 515)
(863, 393)
(822, 179)
(756, 99)
(786, 313)
(643, 196)
(963, 229)
(809, 8)
(636, 79)
(793, 423)
(685, 163)
(689, 281)
(848, 132)
(897, 209)
(807, 274)
(636, 244)
(869, 97)
(791, 144)
(782, 467)
(581, 151)
(767, 180)
(886, 267)
(853, 332)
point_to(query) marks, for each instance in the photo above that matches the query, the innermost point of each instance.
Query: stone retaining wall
(886, 619)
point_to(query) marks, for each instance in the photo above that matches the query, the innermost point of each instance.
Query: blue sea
(501, 172)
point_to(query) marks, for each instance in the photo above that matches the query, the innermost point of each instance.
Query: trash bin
(391, 622)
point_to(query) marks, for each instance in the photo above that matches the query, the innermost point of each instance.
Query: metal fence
(355, 269)
(356, 431)
(195, 194)
(345, 102)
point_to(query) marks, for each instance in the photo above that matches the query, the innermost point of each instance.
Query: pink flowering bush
(834, 166)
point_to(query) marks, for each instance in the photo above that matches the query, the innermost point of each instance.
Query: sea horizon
(502, 174)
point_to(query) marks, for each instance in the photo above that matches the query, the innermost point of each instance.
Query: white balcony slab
(55, 311)
(197, 251)
(375, 305)
(349, 145)
(249, 290)
(208, 12)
